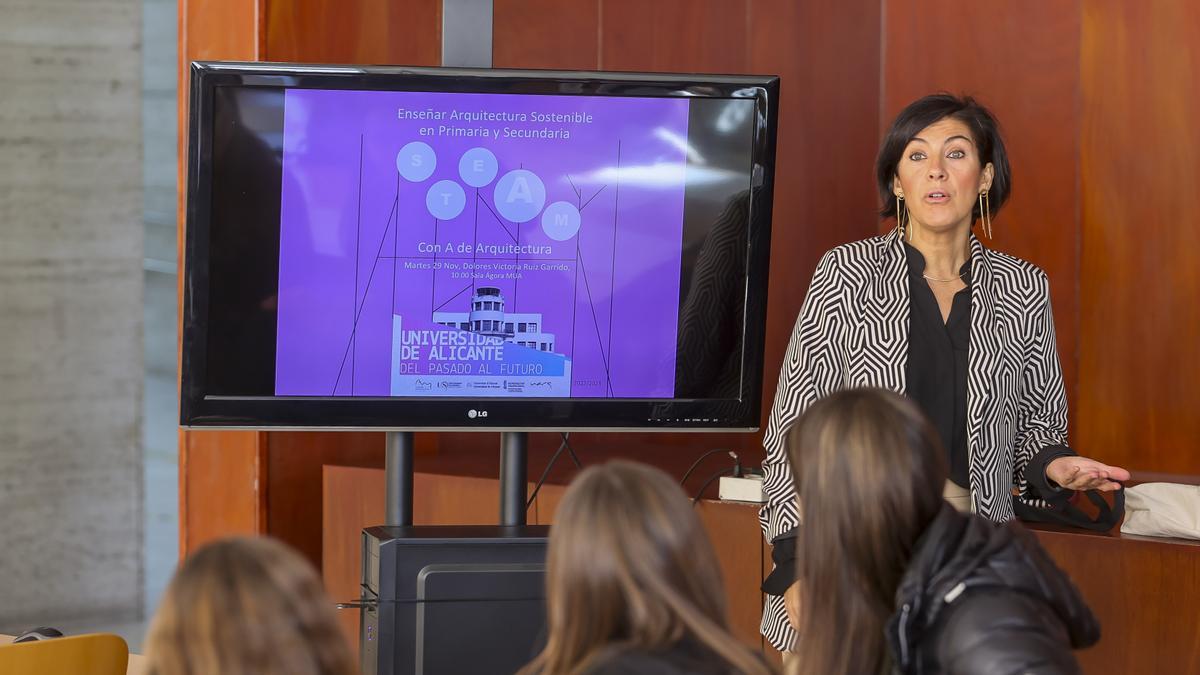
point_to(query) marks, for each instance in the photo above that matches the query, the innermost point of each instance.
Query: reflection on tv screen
(454, 244)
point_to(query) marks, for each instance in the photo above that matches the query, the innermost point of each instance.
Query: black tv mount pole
(398, 473)
(514, 456)
(466, 41)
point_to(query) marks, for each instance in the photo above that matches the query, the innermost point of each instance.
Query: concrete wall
(70, 310)
(160, 416)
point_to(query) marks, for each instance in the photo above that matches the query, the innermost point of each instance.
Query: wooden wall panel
(293, 480)
(733, 529)
(337, 31)
(215, 29)
(537, 33)
(218, 470)
(1140, 273)
(546, 504)
(218, 489)
(1026, 71)
(690, 36)
(342, 522)
(828, 133)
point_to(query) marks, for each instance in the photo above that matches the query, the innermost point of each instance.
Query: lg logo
(476, 413)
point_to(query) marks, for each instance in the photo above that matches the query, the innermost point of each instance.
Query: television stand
(398, 472)
(426, 588)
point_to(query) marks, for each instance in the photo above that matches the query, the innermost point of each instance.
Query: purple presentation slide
(474, 245)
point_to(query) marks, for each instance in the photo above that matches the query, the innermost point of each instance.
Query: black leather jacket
(980, 598)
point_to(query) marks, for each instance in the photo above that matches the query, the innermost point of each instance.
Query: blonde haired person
(246, 606)
(632, 583)
(893, 579)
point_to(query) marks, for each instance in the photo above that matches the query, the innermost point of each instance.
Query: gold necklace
(944, 281)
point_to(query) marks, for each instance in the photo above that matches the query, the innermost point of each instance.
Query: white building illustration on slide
(487, 317)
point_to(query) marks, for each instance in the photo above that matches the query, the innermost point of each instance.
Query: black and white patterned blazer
(853, 331)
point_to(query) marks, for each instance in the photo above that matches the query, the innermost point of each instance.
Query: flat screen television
(436, 248)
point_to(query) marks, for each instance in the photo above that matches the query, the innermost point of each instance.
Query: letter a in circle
(520, 190)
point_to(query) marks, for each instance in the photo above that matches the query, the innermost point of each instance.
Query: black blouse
(937, 374)
(937, 362)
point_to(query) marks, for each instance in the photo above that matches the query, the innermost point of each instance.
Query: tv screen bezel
(199, 409)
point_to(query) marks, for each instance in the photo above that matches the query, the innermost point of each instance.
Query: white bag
(1162, 510)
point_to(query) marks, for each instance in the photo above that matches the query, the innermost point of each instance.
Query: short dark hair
(985, 131)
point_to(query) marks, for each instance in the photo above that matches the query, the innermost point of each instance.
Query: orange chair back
(96, 654)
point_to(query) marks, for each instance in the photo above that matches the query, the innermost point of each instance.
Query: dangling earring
(988, 209)
(900, 220)
(985, 213)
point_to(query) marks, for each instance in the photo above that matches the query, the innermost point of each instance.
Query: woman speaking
(964, 331)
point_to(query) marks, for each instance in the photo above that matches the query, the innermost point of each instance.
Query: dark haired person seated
(891, 578)
(632, 583)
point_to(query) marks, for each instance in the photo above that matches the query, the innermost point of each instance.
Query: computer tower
(451, 599)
